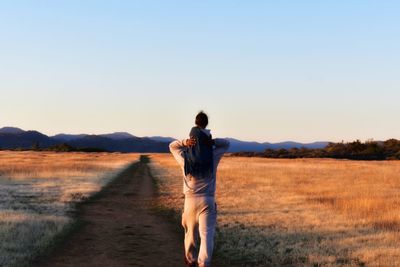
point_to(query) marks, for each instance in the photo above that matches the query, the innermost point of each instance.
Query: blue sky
(262, 70)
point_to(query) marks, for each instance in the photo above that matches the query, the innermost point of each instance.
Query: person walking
(199, 157)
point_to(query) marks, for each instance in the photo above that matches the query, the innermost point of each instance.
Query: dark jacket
(199, 158)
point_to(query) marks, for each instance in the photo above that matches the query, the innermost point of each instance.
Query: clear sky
(262, 70)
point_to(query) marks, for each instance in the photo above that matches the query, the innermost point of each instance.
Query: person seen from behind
(199, 157)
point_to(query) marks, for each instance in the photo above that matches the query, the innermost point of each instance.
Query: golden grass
(37, 192)
(305, 212)
(52, 165)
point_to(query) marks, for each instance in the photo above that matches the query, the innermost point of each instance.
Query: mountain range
(12, 138)
(238, 145)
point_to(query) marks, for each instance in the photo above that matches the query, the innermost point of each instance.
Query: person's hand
(190, 142)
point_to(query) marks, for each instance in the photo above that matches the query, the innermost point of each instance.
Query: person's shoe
(189, 264)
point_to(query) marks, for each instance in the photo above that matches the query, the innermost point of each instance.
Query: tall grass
(303, 212)
(37, 192)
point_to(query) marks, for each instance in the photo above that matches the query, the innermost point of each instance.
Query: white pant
(199, 219)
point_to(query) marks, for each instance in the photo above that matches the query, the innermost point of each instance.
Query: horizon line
(230, 137)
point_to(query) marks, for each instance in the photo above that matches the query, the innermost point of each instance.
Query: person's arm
(221, 146)
(177, 149)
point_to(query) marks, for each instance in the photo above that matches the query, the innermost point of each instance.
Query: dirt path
(120, 230)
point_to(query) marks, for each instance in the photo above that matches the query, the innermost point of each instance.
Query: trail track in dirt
(119, 228)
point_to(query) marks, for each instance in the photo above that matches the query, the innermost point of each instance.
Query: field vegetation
(38, 191)
(299, 212)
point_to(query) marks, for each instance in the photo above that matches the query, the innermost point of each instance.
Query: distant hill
(25, 139)
(131, 144)
(13, 138)
(67, 137)
(115, 136)
(118, 135)
(11, 130)
(290, 144)
(238, 145)
(161, 139)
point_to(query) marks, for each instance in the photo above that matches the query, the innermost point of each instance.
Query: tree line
(357, 150)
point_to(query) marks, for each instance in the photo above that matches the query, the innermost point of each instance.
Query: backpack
(199, 158)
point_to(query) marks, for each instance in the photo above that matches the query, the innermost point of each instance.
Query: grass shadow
(252, 246)
(75, 214)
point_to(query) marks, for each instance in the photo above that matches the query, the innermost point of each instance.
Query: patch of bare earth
(120, 229)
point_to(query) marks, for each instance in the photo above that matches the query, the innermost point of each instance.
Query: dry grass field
(37, 192)
(305, 212)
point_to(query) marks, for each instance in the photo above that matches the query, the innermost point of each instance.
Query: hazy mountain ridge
(161, 138)
(11, 130)
(119, 135)
(67, 137)
(12, 138)
(238, 145)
